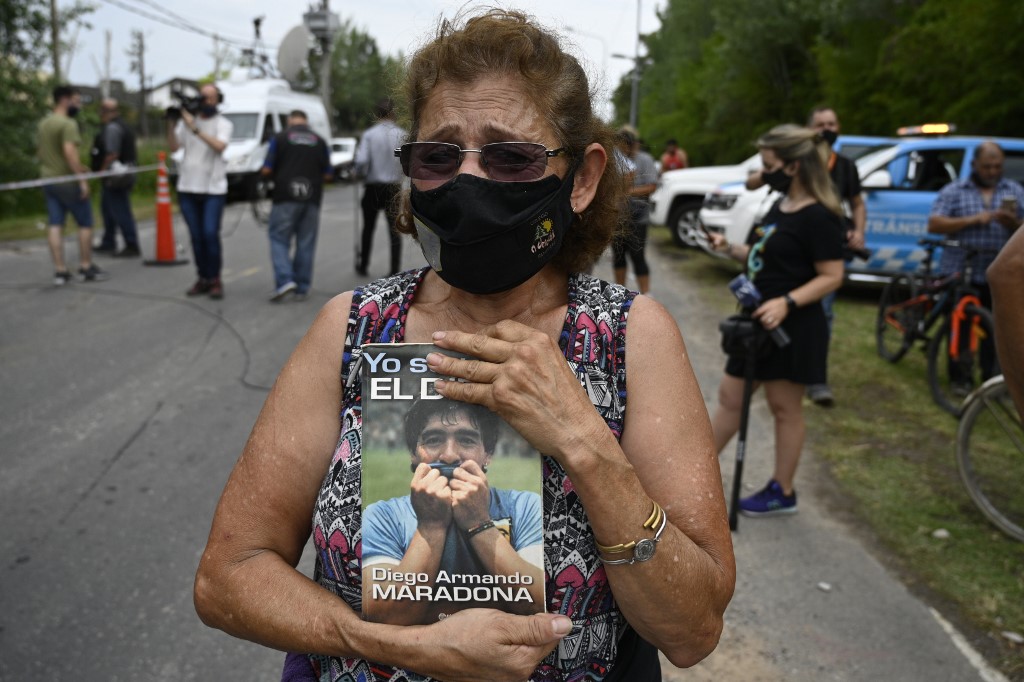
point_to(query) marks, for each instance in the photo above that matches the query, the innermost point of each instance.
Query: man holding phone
(980, 212)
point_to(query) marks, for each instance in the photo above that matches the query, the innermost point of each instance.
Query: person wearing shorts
(59, 140)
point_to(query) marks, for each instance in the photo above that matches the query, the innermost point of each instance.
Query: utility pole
(325, 64)
(635, 98)
(324, 26)
(216, 56)
(55, 40)
(138, 55)
(105, 86)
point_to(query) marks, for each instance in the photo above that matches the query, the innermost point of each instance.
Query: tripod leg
(357, 236)
(741, 437)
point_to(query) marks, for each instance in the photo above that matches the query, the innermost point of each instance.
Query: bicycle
(990, 455)
(911, 304)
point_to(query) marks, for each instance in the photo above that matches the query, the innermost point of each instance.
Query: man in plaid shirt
(981, 212)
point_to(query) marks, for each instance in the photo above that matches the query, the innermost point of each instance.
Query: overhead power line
(174, 21)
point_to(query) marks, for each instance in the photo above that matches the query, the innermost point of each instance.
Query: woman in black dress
(794, 258)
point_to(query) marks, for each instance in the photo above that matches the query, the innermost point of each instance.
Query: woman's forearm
(817, 287)
(263, 599)
(676, 599)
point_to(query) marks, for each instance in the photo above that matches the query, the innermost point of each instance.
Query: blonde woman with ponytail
(794, 258)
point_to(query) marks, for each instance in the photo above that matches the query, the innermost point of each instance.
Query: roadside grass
(143, 196)
(891, 452)
(34, 226)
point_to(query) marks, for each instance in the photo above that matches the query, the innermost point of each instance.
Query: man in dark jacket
(298, 161)
(114, 149)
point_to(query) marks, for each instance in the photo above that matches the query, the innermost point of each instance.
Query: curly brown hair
(499, 42)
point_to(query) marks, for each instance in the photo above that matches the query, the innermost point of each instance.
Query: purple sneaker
(769, 502)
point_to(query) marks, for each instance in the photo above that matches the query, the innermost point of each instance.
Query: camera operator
(202, 181)
(795, 258)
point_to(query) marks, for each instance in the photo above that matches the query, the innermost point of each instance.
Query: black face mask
(208, 110)
(485, 236)
(778, 180)
(829, 136)
(73, 111)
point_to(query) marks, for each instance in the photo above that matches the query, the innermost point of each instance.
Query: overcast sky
(598, 28)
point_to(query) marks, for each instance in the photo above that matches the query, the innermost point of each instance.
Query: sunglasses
(438, 162)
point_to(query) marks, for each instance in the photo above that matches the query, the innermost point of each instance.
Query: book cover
(452, 507)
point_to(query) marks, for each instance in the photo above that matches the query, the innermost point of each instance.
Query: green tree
(360, 76)
(722, 73)
(24, 55)
(954, 61)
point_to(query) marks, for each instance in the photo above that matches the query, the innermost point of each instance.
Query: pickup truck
(680, 193)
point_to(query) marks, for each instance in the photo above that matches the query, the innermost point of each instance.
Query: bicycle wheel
(990, 456)
(952, 380)
(898, 316)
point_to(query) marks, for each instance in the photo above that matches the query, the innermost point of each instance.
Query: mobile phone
(1009, 204)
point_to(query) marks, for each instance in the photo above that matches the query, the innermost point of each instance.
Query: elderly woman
(511, 199)
(794, 259)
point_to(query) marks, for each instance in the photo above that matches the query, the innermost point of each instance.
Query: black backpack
(128, 155)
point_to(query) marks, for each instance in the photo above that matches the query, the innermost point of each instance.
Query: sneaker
(202, 286)
(821, 395)
(104, 248)
(92, 274)
(282, 292)
(769, 502)
(128, 252)
(216, 289)
(300, 296)
(61, 278)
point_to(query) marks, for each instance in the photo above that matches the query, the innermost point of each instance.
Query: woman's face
(770, 161)
(491, 109)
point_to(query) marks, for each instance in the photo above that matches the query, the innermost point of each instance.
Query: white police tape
(42, 182)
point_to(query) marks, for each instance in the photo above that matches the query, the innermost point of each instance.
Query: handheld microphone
(750, 298)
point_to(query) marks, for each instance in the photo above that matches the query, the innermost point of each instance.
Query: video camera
(190, 103)
(738, 330)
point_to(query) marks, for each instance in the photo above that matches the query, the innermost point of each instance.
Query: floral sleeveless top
(593, 339)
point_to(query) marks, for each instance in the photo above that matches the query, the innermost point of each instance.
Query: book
(451, 498)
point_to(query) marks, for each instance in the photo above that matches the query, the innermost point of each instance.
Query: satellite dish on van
(292, 53)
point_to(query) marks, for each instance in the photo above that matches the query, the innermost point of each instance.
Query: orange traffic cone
(166, 251)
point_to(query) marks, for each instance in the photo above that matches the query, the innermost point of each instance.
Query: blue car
(900, 185)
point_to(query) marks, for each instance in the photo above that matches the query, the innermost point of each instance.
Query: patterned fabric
(963, 198)
(593, 339)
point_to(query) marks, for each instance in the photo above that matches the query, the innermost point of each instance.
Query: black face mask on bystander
(778, 180)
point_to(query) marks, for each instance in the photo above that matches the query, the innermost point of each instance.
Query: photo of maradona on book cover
(452, 511)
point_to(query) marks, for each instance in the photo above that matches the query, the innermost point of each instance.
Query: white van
(258, 109)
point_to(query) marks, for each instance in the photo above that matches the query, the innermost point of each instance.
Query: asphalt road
(125, 405)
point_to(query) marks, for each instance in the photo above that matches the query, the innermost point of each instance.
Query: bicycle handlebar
(970, 251)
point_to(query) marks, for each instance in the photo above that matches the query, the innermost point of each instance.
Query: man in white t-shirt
(203, 184)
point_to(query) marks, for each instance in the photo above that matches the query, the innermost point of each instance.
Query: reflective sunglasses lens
(430, 160)
(514, 162)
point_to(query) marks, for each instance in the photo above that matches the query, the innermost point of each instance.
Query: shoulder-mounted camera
(190, 103)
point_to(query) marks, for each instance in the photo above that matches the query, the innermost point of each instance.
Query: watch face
(644, 550)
